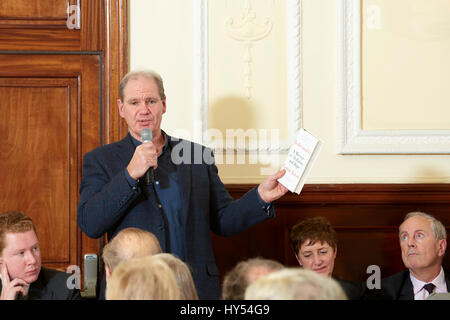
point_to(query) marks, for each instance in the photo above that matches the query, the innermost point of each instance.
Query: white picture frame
(294, 79)
(352, 138)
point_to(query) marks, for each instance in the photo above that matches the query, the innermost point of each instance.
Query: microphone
(146, 136)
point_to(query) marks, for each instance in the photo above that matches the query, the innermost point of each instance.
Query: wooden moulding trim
(116, 66)
(359, 194)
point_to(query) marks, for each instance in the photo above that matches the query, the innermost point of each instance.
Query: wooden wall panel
(33, 13)
(48, 25)
(44, 134)
(37, 39)
(92, 32)
(66, 90)
(116, 66)
(90, 131)
(365, 216)
(39, 153)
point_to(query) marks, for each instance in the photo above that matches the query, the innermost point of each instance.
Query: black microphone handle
(149, 177)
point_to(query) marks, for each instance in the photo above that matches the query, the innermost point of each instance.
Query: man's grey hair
(129, 243)
(149, 74)
(236, 281)
(437, 226)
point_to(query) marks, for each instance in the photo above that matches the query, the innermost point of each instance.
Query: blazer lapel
(447, 279)
(406, 289)
(184, 173)
(39, 289)
(125, 149)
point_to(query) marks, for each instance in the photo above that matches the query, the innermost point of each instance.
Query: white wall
(163, 38)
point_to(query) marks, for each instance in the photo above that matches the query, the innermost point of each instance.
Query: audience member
(182, 275)
(129, 243)
(145, 278)
(295, 284)
(314, 242)
(22, 275)
(423, 241)
(245, 272)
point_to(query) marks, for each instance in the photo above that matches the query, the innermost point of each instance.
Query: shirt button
(159, 205)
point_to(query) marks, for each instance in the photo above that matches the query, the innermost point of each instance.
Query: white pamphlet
(300, 159)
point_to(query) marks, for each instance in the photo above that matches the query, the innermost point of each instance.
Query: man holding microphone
(185, 201)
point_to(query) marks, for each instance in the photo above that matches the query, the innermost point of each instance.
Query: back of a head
(236, 281)
(295, 284)
(130, 243)
(183, 275)
(146, 278)
(14, 222)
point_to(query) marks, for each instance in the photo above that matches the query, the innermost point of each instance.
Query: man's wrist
(133, 183)
(265, 206)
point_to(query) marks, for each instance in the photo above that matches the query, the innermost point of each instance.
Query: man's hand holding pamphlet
(300, 160)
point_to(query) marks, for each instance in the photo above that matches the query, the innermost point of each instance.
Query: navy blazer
(51, 285)
(354, 290)
(400, 287)
(108, 204)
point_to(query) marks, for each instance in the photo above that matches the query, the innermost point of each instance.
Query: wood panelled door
(52, 25)
(49, 106)
(60, 65)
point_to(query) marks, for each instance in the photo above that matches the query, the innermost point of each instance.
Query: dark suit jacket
(353, 289)
(51, 285)
(108, 205)
(399, 285)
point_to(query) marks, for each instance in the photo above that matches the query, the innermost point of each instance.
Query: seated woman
(315, 246)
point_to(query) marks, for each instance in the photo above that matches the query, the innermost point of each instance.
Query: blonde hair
(130, 243)
(146, 278)
(295, 284)
(182, 275)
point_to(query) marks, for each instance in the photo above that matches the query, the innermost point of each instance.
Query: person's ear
(298, 260)
(107, 273)
(164, 105)
(442, 246)
(120, 106)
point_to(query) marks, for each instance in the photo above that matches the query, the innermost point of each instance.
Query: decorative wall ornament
(248, 30)
(200, 69)
(353, 139)
(293, 70)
